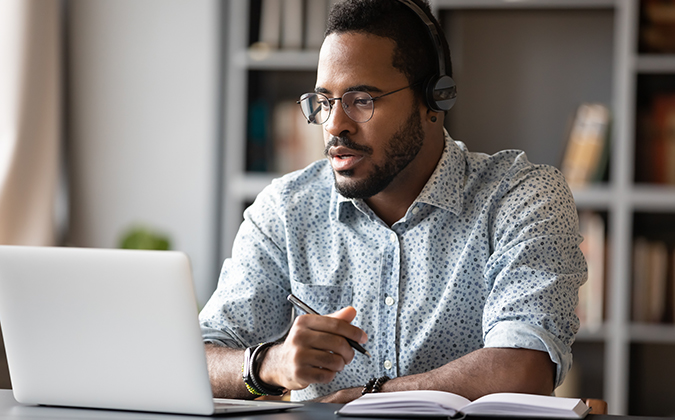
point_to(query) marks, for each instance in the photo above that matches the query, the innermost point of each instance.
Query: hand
(314, 350)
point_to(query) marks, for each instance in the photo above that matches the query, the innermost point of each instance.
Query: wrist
(374, 385)
(253, 357)
(268, 367)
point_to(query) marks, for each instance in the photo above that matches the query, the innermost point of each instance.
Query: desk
(10, 409)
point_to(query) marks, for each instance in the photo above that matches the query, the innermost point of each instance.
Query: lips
(343, 158)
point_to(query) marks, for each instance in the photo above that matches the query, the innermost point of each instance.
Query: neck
(393, 202)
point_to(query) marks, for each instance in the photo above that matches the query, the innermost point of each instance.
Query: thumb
(346, 314)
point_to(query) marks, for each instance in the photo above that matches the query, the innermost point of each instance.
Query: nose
(338, 121)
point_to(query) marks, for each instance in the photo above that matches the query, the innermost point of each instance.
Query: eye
(323, 105)
(362, 102)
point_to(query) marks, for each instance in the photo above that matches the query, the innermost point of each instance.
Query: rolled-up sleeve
(249, 304)
(536, 268)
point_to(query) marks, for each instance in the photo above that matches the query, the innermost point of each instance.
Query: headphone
(440, 91)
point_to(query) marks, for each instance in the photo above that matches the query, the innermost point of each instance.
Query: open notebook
(446, 404)
(113, 329)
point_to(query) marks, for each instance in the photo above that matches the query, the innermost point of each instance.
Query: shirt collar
(445, 186)
(443, 189)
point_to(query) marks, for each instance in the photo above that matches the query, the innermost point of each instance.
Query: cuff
(511, 334)
(221, 338)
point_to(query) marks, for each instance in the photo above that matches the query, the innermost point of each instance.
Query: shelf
(247, 186)
(656, 63)
(642, 197)
(277, 60)
(525, 4)
(653, 197)
(639, 333)
(587, 335)
(652, 333)
(595, 196)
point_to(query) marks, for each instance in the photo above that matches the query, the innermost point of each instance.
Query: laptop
(110, 329)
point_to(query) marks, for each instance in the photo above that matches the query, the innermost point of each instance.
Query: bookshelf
(616, 359)
(240, 185)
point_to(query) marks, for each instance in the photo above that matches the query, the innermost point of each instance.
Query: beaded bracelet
(374, 385)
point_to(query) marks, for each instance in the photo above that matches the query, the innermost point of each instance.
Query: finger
(305, 336)
(347, 314)
(332, 325)
(313, 375)
(313, 366)
(324, 360)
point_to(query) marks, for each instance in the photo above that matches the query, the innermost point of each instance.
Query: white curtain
(30, 119)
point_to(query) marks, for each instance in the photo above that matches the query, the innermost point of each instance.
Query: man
(457, 271)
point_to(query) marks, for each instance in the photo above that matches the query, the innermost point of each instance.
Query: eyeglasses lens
(358, 106)
(317, 107)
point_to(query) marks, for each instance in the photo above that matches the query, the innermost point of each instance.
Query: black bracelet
(251, 368)
(374, 385)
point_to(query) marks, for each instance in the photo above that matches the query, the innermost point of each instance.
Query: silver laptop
(113, 329)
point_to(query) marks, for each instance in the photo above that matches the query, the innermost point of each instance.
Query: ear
(433, 117)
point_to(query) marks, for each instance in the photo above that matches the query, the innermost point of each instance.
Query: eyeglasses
(357, 105)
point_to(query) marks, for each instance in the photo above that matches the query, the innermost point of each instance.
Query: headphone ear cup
(440, 93)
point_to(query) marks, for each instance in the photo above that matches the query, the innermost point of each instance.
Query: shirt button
(393, 237)
(389, 301)
(387, 364)
(416, 210)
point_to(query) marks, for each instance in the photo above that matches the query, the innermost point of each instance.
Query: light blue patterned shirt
(486, 256)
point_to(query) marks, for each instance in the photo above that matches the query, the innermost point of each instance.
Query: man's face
(367, 157)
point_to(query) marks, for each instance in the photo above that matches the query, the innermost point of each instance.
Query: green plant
(144, 238)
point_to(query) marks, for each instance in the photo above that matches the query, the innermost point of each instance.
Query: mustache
(345, 141)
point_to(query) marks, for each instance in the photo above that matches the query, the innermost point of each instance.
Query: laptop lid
(115, 329)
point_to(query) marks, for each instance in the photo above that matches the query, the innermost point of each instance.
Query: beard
(402, 148)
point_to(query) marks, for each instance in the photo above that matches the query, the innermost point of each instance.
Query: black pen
(302, 305)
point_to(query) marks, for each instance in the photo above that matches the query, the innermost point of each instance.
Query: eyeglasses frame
(332, 100)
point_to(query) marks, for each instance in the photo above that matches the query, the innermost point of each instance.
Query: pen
(302, 305)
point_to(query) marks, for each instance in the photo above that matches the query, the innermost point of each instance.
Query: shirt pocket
(323, 299)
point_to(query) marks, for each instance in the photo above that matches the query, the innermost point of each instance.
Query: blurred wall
(521, 74)
(142, 109)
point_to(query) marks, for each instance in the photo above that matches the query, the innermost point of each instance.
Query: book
(440, 403)
(657, 26)
(664, 124)
(655, 139)
(584, 160)
(650, 277)
(257, 143)
(291, 24)
(658, 278)
(270, 23)
(591, 294)
(640, 279)
(296, 143)
(317, 13)
(645, 136)
(670, 287)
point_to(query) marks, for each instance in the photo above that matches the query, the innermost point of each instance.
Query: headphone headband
(433, 32)
(440, 90)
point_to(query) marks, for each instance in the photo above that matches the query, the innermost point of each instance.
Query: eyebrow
(357, 88)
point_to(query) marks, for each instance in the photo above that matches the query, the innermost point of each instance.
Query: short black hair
(414, 54)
